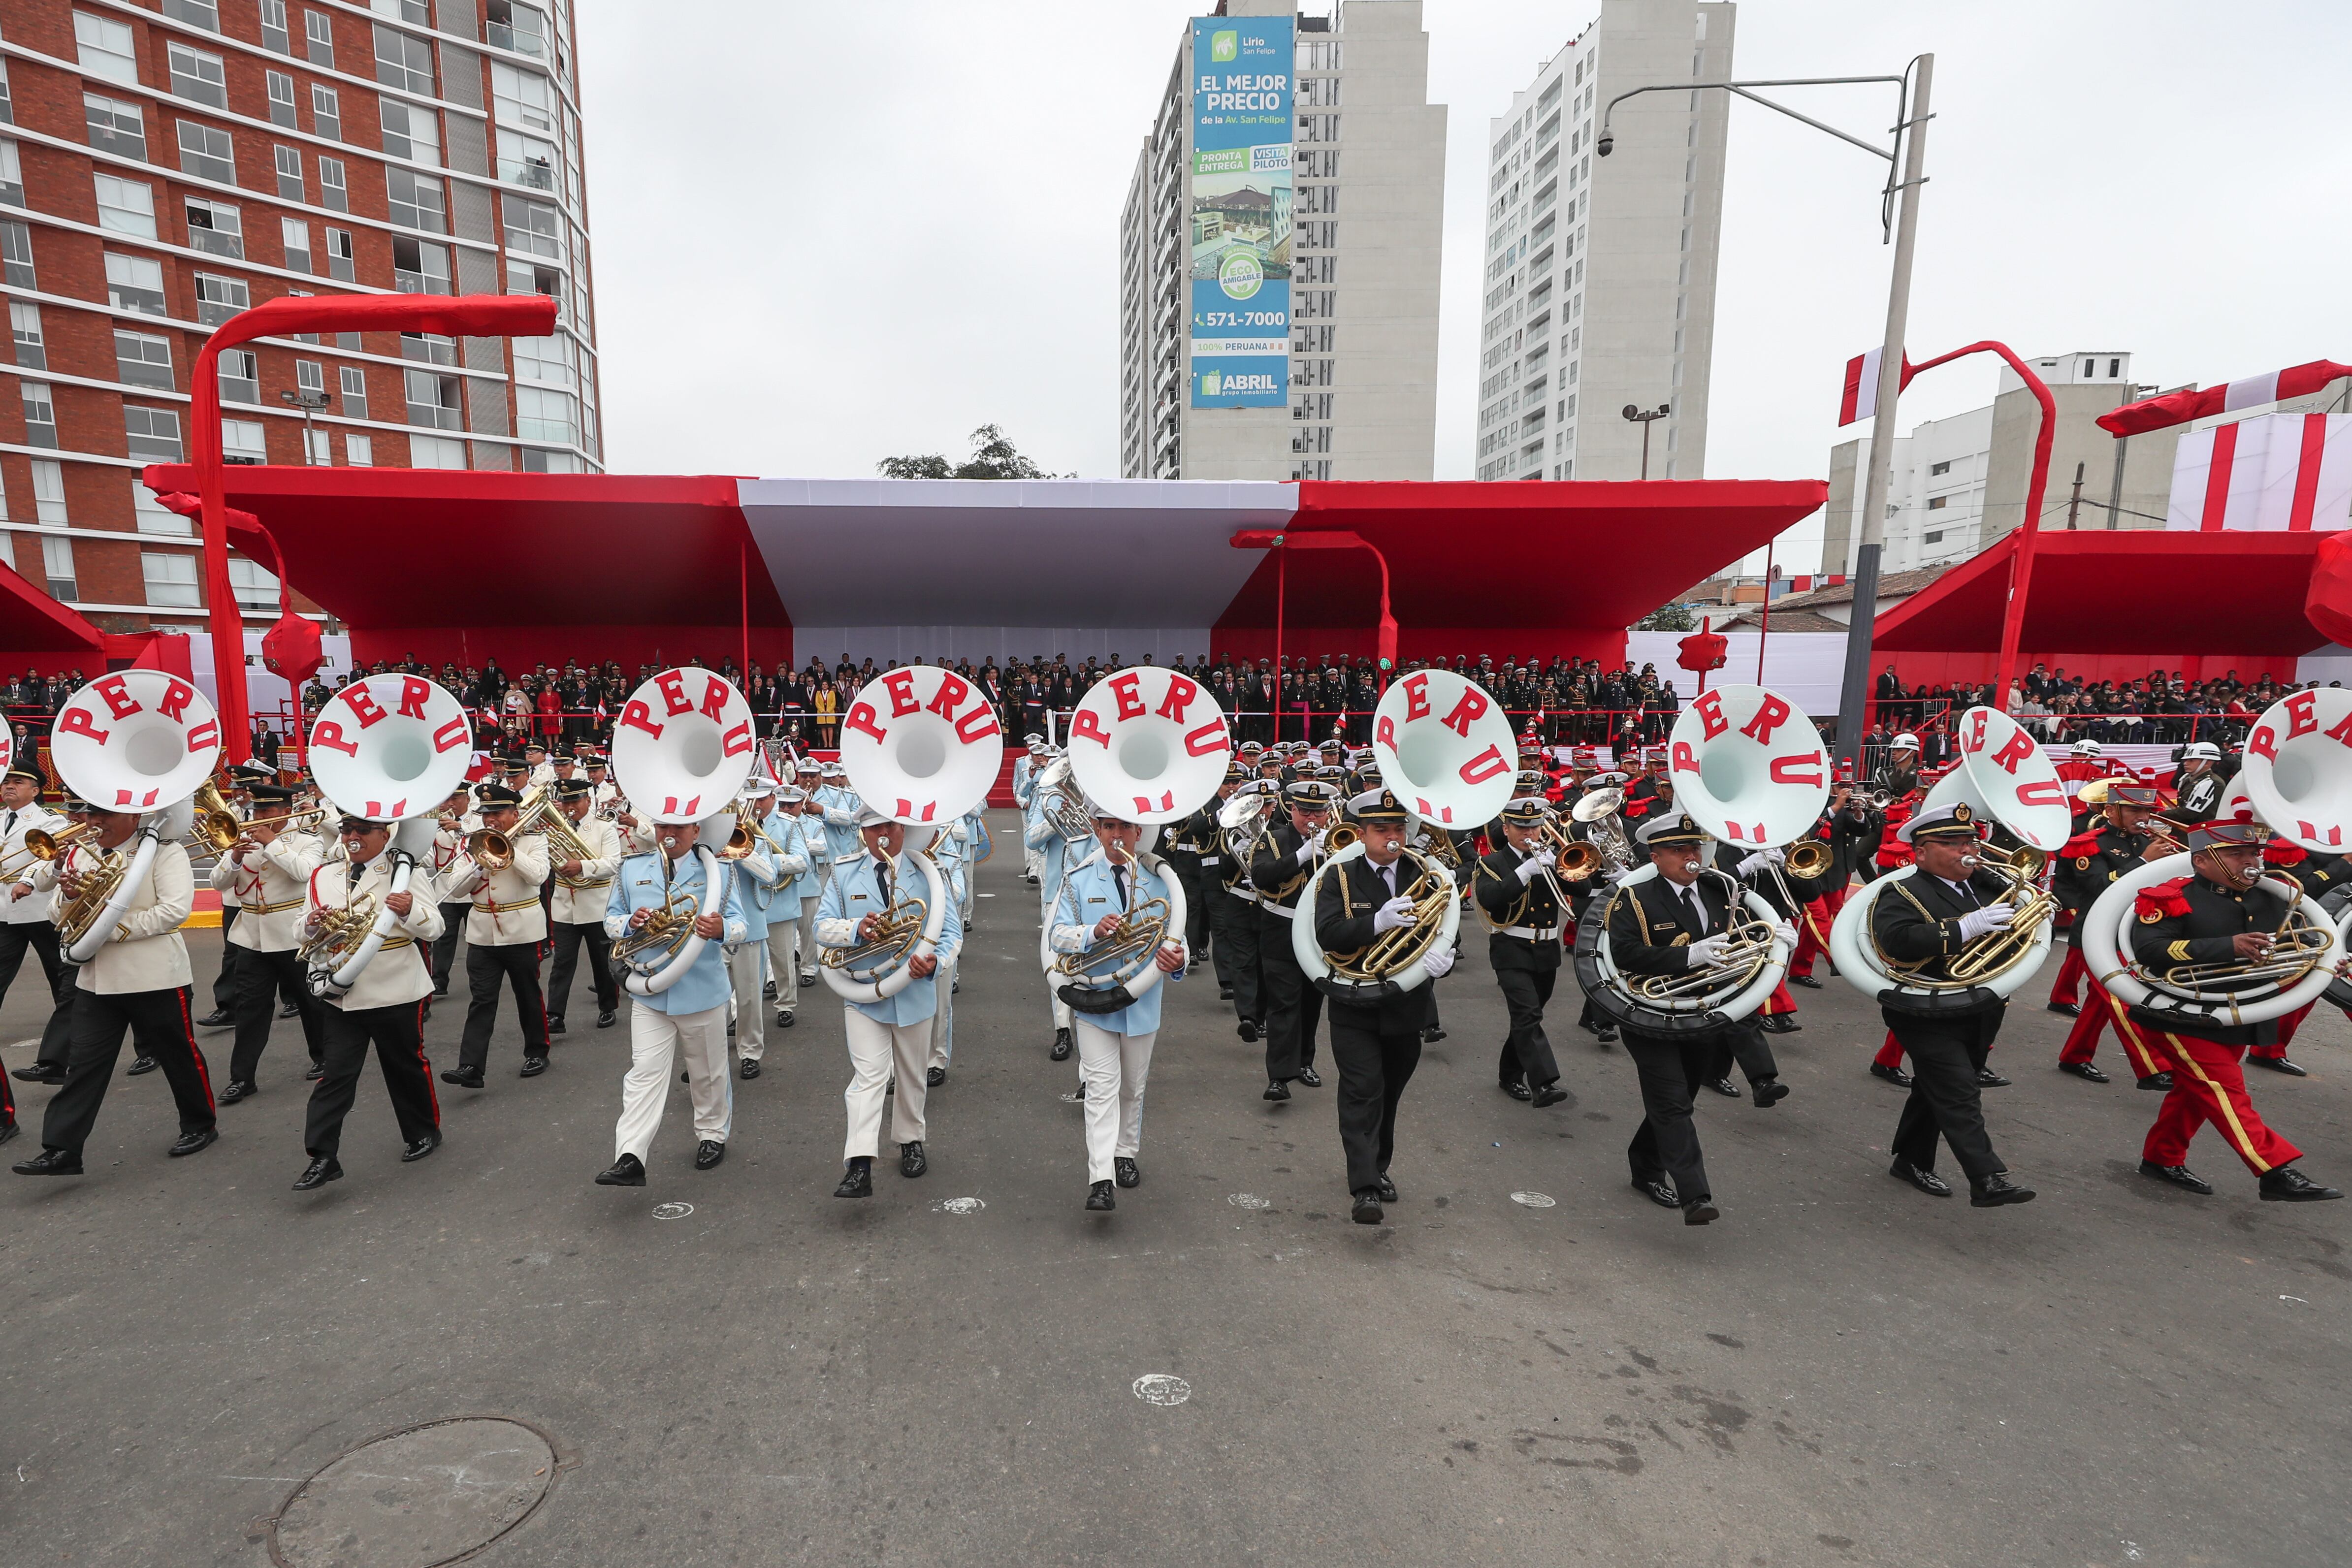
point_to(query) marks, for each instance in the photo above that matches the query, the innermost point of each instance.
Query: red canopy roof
(33, 623)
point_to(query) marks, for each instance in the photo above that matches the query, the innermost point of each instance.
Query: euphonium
(1392, 952)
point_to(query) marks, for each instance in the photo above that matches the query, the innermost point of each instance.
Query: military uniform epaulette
(2162, 901)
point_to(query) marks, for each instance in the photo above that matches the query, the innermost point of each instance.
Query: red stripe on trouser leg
(188, 1028)
(2100, 1009)
(1890, 1055)
(2067, 987)
(1780, 1001)
(2287, 1025)
(432, 1095)
(1800, 962)
(2208, 1084)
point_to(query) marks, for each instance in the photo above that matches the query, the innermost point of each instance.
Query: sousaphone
(682, 749)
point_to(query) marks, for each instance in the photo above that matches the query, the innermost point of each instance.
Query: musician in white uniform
(756, 878)
(688, 1017)
(385, 1006)
(893, 1036)
(28, 923)
(576, 915)
(792, 919)
(140, 982)
(1114, 1043)
(506, 935)
(266, 873)
(1025, 768)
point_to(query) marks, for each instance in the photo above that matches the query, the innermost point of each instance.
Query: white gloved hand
(1976, 921)
(1440, 962)
(1785, 933)
(1533, 866)
(1397, 912)
(1759, 860)
(1315, 844)
(1707, 949)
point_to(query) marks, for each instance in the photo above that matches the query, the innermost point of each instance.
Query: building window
(240, 375)
(16, 254)
(204, 14)
(319, 34)
(242, 442)
(12, 175)
(419, 268)
(403, 62)
(1938, 502)
(428, 348)
(274, 35)
(153, 433)
(281, 99)
(543, 413)
(416, 202)
(359, 451)
(125, 206)
(318, 450)
(432, 401)
(294, 235)
(326, 114)
(57, 563)
(1934, 469)
(7, 106)
(532, 227)
(255, 587)
(1936, 537)
(25, 328)
(338, 257)
(354, 382)
(289, 174)
(40, 414)
(135, 283)
(545, 360)
(115, 126)
(152, 517)
(207, 153)
(310, 376)
(513, 26)
(411, 132)
(142, 359)
(2090, 368)
(436, 452)
(49, 492)
(103, 48)
(171, 580)
(2114, 369)
(535, 461)
(198, 76)
(218, 297)
(215, 226)
(331, 193)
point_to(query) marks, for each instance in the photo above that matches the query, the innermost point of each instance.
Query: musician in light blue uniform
(689, 1016)
(792, 939)
(838, 805)
(1054, 855)
(1114, 1045)
(890, 1038)
(758, 875)
(1025, 768)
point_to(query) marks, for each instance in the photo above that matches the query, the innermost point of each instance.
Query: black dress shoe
(555, 1025)
(1770, 1092)
(1995, 1190)
(313, 1073)
(858, 1181)
(626, 1171)
(463, 1077)
(1550, 1094)
(1780, 1023)
(8, 1131)
(221, 1018)
(40, 1073)
(1224, 993)
(1366, 1210)
(318, 1173)
(1308, 1076)
(708, 1154)
(1805, 980)
(139, 1066)
(291, 1010)
(934, 1076)
(1277, 1090)
(423, 1147)
(1125, 1172)
(532, 1066)
(1894, 1075)
(608, 1018)
(1063, 1045)
(2083, 1071)
(2288, 1185)
(1247, 1030)
(1725, 1087)
(1988, 1078)
(2159, 1081)
(50, 1162)
(2067, 1010)
(785, 1018)
(808, 979)
(2277, 1064)
(768, 990)
(1701, 1211)
(911, 1161)
(750, 1068)
(1386, 1188)
(1660, 1191)
(236, 1089)
(1606, 1034)
(194, 1143)
(1431, 1035)
(1927, 1181)
(1098, 1197)
(2176, 1176)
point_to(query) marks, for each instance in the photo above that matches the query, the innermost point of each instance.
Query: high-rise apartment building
(1600, 275)
(1278, 251)
(165, 164)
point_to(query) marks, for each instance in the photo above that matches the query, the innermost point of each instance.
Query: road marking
(1535, 1199)
(959, 1205)
(1249, 1200)
(1162, 1388)
(672, 1210)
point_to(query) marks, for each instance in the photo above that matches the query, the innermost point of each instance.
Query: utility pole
(1644, 418)
(2075, 505)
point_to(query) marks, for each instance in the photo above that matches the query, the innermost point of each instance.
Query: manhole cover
(415, 1498)
(1249, 1200)
(1162, 1388)
(672, 1210)
(1535, 1199)
(960, 1205)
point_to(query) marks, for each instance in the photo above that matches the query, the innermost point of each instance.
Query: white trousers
(745, 972)
(1114, 1067)
(783, 957)
(808, 932)
(877, 1052)
(1054, 982)
(656, 1039)
(943, 1021)
(1032, 863)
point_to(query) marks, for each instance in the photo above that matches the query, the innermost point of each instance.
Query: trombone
(219, 826)
(42, 846)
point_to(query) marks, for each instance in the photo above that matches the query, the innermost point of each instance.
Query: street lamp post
(1909, 152)
(1646, 418)
(309, 402)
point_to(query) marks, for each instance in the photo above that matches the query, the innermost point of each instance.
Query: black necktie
(882, 880)
(1118, 876)
(1697, 909)
(1388, 878)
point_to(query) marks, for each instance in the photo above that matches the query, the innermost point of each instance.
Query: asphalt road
(1841, 1370)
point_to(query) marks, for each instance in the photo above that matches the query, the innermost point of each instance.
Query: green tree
(993, 456)
(1670, 618)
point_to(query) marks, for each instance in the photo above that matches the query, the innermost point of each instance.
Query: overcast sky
(827, 234)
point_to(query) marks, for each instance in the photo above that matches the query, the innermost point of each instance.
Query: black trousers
(398, 1034)
(1526, 1051)
(1235, 952)
(1196, 901)
(1293, 1006)
(1753, 1051)
(1672, 1067)
(568, 939)
(1945, 1095)
(445, 946)
(1375, 1056)
(259, 979)
(159, 1022)
(224, 982)
(517, 965)
(41, 937)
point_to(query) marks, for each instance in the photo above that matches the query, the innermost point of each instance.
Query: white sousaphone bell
(682, 749)
(1151, 745)
(390, 748)
(921, 745)
(135, 740)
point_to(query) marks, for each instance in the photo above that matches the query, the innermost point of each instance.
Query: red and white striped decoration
(2203, 402)
(2275, 472)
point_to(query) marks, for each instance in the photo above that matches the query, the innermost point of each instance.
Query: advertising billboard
(1240, 219)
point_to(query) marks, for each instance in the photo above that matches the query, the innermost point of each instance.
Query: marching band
(712, 879)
